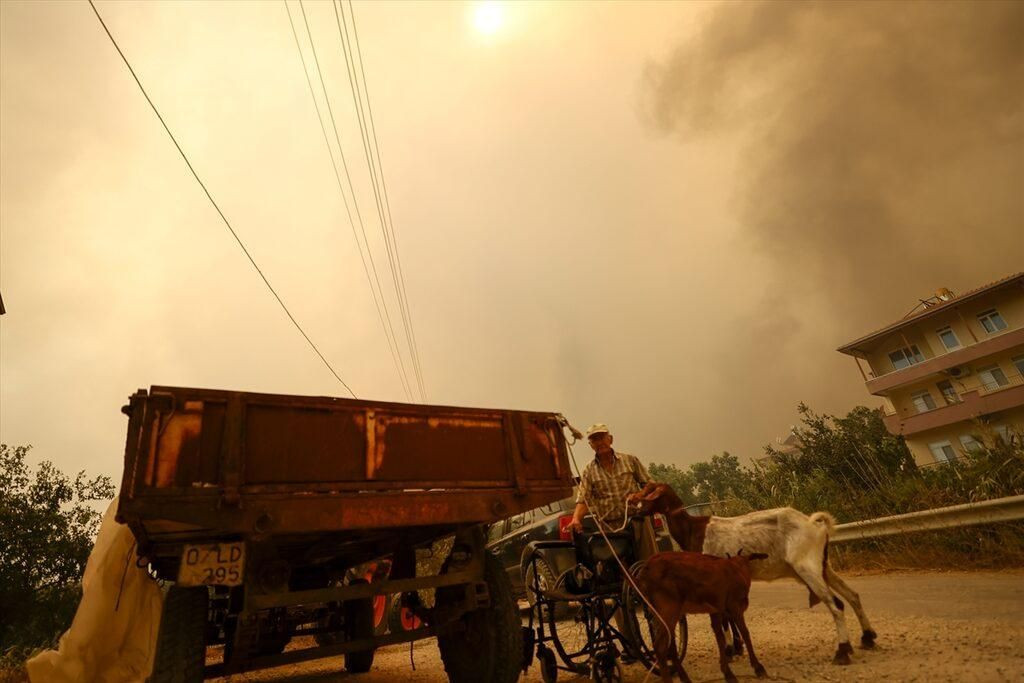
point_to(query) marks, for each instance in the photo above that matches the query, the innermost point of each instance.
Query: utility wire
(384, 207)
(214, 203)
(348, 177)
(392, 345)
(387, 202)
(357, 104)
(376, 146)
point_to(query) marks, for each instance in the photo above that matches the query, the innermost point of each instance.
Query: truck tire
(548, 578)
(181, 643)
(491, 646)
(359, 625)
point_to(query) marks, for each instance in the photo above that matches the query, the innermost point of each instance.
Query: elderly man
(604, 485)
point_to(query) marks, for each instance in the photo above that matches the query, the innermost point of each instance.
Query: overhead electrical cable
(388, 224)
(357, 103)
(384, 186)
(209, 196)
(392, 344)
(387, 204)
(348, 177)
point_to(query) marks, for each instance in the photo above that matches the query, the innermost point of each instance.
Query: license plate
(212, 564)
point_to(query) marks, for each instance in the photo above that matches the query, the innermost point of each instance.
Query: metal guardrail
(1007, 509)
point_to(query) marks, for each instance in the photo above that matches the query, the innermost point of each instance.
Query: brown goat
(679, 583)
(796, 545)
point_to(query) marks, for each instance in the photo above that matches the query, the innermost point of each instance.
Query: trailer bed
(204, 464)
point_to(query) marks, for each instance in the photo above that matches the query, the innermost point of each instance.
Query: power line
(392, 345)
(372, 171)
(214, 203)
(387, 201)
(397, 272)
(414, 345)
(348, 178)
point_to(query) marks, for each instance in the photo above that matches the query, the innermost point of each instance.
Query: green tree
(47, 529)
(720, 479)
(849, 465)
(681, 482)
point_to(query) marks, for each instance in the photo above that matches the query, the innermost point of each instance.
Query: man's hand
(576, 525)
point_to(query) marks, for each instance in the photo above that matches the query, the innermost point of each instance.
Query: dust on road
(932, 627)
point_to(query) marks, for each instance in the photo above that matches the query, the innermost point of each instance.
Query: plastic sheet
(113, 635)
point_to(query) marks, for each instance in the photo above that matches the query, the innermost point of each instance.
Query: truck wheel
(490, 648)
(544, 573)
(359, 625)
(181, 643)
(547, 582)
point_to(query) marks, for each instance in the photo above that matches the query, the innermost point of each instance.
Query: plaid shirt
(605, 492)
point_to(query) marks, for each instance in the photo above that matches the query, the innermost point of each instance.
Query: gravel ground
(932, 627)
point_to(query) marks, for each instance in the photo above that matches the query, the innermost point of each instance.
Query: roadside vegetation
(852, 467)
(47, 529)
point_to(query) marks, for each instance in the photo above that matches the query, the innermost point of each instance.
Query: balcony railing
(976, 399)
(881, 385)
(972, 383)
(1012, 380)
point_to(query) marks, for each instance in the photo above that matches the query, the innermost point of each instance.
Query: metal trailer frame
(315, 486)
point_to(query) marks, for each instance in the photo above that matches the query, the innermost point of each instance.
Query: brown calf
(796, 545)
(679, 583)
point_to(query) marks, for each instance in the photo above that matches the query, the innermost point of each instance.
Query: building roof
(929, 311)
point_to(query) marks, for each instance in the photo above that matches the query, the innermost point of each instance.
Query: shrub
(852, 467)
(47, 529)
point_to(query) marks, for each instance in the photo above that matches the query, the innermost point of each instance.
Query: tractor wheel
(359, 625)
(181, 643)
(490, 648)
(401, 619)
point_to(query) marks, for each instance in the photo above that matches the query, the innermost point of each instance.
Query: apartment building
(950, 373)
(784, 445)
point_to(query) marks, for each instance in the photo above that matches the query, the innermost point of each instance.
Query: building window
(904, 358)
(992, 321)
(943, 451)
(948, 392)
(970, 443)
(923, 401)
(992, 377)
(948, 338)
(1018, 362)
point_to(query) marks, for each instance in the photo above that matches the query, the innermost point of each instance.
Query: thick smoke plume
(883, 142)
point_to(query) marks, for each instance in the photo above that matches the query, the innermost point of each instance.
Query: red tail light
(658, 523)
(564, 532)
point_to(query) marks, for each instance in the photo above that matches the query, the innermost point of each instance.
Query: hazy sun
(488, 17)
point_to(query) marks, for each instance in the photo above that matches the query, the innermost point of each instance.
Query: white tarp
(113, 636)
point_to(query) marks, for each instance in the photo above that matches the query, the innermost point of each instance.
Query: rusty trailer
(260, 509)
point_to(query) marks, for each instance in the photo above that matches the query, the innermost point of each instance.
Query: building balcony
(883, 384)
(977, 402)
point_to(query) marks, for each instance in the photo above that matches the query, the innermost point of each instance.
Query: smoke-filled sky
(660, 216)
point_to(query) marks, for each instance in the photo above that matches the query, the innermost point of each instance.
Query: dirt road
(932, 627)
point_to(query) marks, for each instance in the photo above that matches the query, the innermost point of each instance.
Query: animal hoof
(760, 672)
(729, 652)
(843, 654)
(867, 639)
